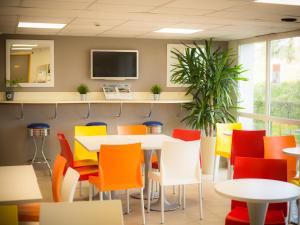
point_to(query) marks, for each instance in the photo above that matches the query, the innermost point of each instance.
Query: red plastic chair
(246, 167)
(81, 166)
(247, 143)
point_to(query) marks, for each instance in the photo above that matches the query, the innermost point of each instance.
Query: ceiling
(221, 19)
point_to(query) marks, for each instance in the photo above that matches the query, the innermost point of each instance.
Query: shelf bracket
(21, 117)
(150, 111)
(88, 115)
(120, 110)
(55, 112)
(180, 110)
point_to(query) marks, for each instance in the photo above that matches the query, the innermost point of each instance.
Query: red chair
(246, 167)
(81, 166)
(247, 143)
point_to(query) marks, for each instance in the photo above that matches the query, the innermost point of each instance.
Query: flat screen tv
(114, 64)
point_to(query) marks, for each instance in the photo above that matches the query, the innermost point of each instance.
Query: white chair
(69, 184)
(179, 165)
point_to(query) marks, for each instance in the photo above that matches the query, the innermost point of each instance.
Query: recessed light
(178, 30)
(41, 25)
(281, 2)
(24, 45)
(17, 49)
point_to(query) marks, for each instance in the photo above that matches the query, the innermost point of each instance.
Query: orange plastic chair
(273, 146)
(31, 211)
(120, 168)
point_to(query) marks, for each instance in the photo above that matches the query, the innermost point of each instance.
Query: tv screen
(114, 64)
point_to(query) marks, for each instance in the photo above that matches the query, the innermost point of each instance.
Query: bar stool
(96, 124)
(39, 130)
(154, 127)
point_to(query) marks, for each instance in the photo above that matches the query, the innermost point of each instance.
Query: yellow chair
(81, 153)
(9, 215)
(223, 145)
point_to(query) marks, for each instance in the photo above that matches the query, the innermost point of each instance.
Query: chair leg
(127, 201)
(179, 195)
(101, 196)
(109, 195)
(162, 199)
(216, 167)
(80, 188)
(91, 192)
(200, 201)
(183, 196)
(142, 206)
(149, 194)
(174, 191)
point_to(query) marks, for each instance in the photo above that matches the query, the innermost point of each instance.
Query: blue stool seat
(96, 124)
(38, 126)
(152, 123)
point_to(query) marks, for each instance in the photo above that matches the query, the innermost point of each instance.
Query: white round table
(228, 133)
(258, 193)
(296, 153)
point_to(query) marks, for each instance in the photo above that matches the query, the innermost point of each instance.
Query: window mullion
(268, 86)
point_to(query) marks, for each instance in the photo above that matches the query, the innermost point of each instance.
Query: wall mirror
(31, 62)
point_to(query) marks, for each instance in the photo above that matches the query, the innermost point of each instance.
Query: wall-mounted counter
(60, 98)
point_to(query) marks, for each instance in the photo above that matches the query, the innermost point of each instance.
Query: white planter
(83, 97)
(208, 154)
(156, 96)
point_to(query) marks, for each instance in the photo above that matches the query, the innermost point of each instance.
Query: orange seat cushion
(29, 212)
(86, 162)
(240, 216)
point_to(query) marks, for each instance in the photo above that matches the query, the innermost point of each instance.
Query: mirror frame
(10, 42)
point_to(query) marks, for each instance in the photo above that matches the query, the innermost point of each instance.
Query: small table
(149, 143)
(228, 133)
(258, 193)
(82, 213)
(296, 153)
(18, 184)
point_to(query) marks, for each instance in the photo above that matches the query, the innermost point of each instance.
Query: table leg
(147, 161)
(257, 213)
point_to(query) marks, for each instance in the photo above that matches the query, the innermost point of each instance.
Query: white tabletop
(258, 190)
(228, 133)
(82, 213)
(149, 142)
(292, 151)
(18, 184)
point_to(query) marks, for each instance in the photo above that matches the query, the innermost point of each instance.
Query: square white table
(18, 184)
(82, 213)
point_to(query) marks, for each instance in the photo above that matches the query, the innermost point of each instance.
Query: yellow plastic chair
(81, 153)
(223, 145)
(9, 215)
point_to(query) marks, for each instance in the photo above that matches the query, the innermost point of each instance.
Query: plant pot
(83, 97)
(156, 97)
(9, 95)
(208, 154)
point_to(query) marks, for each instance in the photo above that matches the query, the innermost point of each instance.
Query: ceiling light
(16, 49)
(281, 2)
(177, 31)
(24, 45)
(41, 25)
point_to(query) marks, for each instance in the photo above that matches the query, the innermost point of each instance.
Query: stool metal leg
(46, 161)
(36, 149)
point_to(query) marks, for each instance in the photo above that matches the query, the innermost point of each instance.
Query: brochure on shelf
(117, 91)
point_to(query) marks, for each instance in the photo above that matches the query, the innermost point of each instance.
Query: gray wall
(71, 69)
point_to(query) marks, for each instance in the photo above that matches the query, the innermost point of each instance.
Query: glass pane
(252, 124)
(285, 78)
(252, 92)
(280, 129)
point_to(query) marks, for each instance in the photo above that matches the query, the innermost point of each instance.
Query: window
(271, 96)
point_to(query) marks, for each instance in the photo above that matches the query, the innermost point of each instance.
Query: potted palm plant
(11, 85)
(156, 90)
(83, 90)
(211, 76)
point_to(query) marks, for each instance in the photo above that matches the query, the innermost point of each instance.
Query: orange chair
(119, 169)
(61, 191)
(273, 146)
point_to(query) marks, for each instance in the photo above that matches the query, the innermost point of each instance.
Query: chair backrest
(120, 167)
(9, 215)
(179, 163)
(186, 135)
(69, 184)
(223, 142)
(57, 175)
(132, 129)
(81, 153)
(247, 143)
(273, 150)
(274, 169)
(65, 150)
